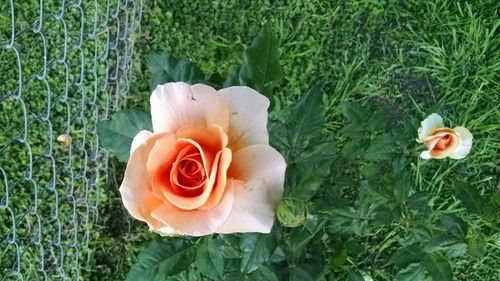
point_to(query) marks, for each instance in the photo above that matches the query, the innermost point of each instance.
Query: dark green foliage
(161, 259)
(166, 68)
(261, 69)
(209, 259)
(117, 134)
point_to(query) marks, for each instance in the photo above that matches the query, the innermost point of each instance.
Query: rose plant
(205, 162)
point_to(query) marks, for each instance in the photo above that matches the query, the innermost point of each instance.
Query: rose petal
(248, 117)
(136, 197)
(196, 222)
(139, 139)
(220, 185)
(464, 143)
(262, 169)
(176, 105)
(189, 203)
(451, 146)
(425, 155)
(211, 137)
(430, 124)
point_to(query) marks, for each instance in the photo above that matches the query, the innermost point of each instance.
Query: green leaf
(420, 202)
(232, 79)
(438, 267)
(446, 243)
(161, 259)
(300, 237)
(454, 226)
(353, 131)
(299, 274)
(378, 121)
(229, 246)
(309, 182)
(262, 274)
(339, 258)
(382, 149)
(353, 112)
(408, 255)
(256, 249)
(116, 135)
(166, 68)
(291, 212)
(209, 260)
(470, 197)
(306, 122)
(476, 245)
(260, 68)
(355, 276)
(413, 272)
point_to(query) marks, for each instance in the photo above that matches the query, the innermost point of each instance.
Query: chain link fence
(64, 65)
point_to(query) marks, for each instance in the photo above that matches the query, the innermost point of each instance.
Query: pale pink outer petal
(176, 105)
(464, 143)
(428, 126)
(139, 139)
(248, 116)
(136, 197)
(196, 222)
(425, 155)
(262, 169)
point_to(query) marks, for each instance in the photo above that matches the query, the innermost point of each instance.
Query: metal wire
(64, 66)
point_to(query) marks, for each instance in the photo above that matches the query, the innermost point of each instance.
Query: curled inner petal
(443, 142)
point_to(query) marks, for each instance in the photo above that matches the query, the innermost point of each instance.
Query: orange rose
(207, 167)
(443, 142)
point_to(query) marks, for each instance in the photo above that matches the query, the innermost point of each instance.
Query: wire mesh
(64, 65)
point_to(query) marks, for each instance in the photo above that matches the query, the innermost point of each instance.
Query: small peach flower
(207, 167)
(443, 142)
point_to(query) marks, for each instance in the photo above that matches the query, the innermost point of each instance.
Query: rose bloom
(207, 167)
(443, 142)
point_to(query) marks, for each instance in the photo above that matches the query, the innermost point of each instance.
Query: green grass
(410, 58)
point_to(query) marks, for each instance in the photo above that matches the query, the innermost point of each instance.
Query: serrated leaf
(116, 135)
(339, 258)
(306, 122)
(454, 226)
(476, 245)
(438, 267)
(355, 276)
(470, 197)
(350, 220)
(378, 121)
(260, 67)
(262, 274)
(161, 259)
(353, 131)
(413, 272)
(256, 249)
(353, 112)
(299, 274)
(232, 79)
(229, 246)
(209, 260)
(382, 149)
(166, 68)
(353, 149)
(421, 233)
(420, 201)
(300, 237)
(408, 255)
(309, 183)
